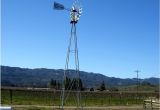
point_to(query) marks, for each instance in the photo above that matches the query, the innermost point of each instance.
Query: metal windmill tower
(75, 13)
(138, 83)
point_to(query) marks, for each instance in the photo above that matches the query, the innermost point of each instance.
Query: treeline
(70, 84)
(54, 84)
(24, 84)
(73, 84)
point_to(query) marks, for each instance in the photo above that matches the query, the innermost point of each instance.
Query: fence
(152, 104)
(52, 97)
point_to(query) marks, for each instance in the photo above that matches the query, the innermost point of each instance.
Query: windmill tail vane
(58, 6)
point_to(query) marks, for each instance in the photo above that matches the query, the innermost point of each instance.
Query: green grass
(31, 108)
(149, 88)
(52, 98)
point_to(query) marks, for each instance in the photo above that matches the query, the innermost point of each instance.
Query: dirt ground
(37, 107)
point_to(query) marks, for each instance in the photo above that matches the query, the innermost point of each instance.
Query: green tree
(73, 84)
(67, 83)
(81, 84)
(92, 89)
(58, 85)
(77, 84)
(102, 87)
(52, 83)
(113, 89)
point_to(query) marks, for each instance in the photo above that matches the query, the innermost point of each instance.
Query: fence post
(151, 104)
(109, 98)
(10, 92)
(120, 98)
(85, 99)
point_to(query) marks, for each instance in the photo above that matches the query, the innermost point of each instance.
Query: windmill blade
(77, 5)
(58, 6)
(80, 11)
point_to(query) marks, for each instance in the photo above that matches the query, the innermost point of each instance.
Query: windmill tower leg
(64, 95)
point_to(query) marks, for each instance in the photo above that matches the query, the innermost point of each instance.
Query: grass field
(52, 98)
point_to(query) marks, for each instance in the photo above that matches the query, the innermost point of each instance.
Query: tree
(113, 89)
(102, 87)
(67, 83)
(77, 84)
(52, 83)
(58, 85)
(92, 89)
(144, 83)
(73, 84)
(80, 84)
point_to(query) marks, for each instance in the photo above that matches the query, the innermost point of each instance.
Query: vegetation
(54, 84)
(113, 89)
(52, 97)
(72, 84)
(112, 94)
(92, 89)
(102, 87)
(32, 108)
(142, 87)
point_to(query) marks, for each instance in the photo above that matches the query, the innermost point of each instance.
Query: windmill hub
(75, 15)
(75, 11)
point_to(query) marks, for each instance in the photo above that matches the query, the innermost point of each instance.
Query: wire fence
(52, 97)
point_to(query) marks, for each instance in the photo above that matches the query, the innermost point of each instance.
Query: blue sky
(115, 37)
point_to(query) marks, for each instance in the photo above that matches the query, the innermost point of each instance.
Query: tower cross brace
(65, 95)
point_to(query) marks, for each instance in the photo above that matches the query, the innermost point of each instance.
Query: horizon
(115, 37)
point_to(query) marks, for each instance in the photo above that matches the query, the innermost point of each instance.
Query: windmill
(138, 83)
(75, 13)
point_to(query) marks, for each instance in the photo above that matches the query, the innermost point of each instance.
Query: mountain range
(40, 77)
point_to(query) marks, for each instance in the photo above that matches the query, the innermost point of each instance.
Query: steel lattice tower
(75, 13)
(72, 39)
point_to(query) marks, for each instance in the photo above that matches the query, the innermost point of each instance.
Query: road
(133, 107)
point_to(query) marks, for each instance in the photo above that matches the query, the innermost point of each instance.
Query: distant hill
(40, 77)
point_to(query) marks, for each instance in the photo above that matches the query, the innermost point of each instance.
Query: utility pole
(137, 71)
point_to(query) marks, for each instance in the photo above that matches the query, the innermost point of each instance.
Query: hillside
(40, 77)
